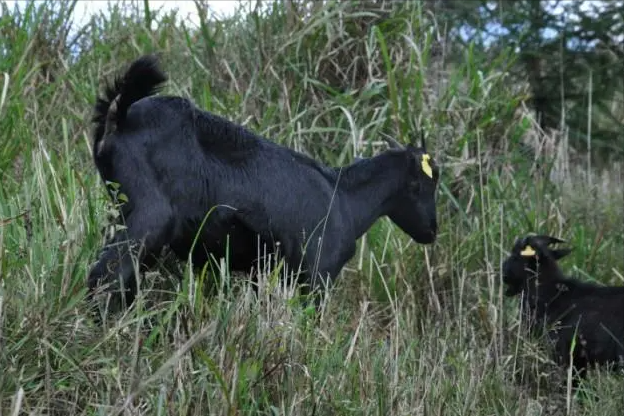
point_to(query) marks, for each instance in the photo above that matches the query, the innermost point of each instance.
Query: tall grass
(408, 329)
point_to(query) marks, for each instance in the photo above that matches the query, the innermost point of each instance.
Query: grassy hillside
(408, 329)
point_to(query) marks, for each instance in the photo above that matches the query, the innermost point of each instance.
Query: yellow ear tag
(527, 252)
(426, 167)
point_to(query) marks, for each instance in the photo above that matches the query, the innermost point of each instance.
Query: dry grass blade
(166, 366)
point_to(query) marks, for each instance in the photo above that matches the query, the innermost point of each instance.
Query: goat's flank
(174, 162)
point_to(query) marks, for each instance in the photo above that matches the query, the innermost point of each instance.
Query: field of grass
(407, 330)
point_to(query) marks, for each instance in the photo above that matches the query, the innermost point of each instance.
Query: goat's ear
(560, 252)
(425, 165)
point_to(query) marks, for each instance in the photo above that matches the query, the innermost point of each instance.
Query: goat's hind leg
(114, 270)
(146, 232)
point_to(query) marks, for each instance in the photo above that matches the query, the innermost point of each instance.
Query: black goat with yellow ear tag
(209, 189)
(584, 322)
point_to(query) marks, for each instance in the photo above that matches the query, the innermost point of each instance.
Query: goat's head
(413, 209)
(532, 258)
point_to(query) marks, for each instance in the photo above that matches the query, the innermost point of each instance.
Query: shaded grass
(408, 329)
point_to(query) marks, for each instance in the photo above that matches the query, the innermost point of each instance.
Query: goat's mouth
(425, 237)
(512, 288)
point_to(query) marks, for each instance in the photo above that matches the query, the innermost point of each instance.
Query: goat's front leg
(322, 269)
(145, 234)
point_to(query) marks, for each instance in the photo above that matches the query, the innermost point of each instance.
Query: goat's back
(200, 161)
(592, 316)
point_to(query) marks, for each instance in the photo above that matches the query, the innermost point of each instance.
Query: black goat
(175, 162)
(571, 311)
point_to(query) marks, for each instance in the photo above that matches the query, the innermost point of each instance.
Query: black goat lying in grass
(175, 162)
(584, 321)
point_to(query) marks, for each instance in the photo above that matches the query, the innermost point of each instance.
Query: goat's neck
(368, 185)
(542, 296)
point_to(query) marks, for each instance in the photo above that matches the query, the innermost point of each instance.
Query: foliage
(569, 52)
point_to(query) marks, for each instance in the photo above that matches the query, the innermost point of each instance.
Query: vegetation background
(522, 104)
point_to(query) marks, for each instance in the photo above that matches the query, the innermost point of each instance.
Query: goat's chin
(512, 291)
(424, 238)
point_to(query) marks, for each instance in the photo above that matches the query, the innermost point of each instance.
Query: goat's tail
(142, 79)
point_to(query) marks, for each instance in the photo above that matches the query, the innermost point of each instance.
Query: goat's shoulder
(310, 162)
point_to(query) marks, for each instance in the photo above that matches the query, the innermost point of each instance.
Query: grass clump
(408, 329)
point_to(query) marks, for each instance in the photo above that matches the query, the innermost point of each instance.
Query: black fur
(175, 162)
(142, 79)
(566, 309)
